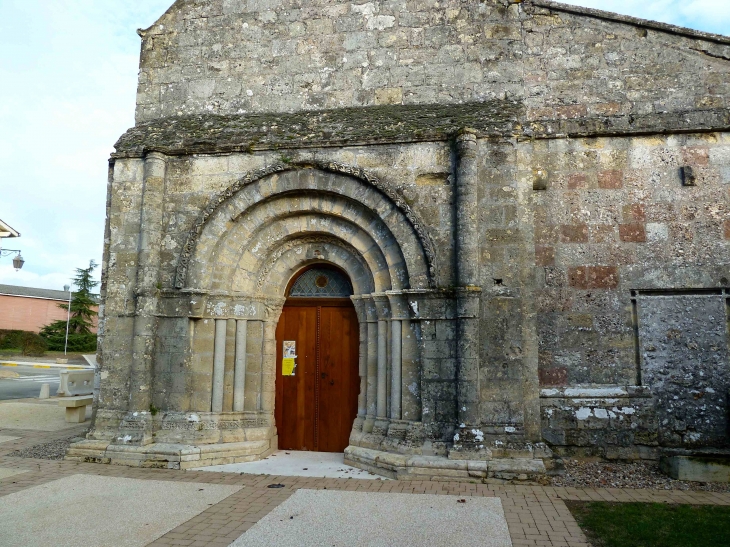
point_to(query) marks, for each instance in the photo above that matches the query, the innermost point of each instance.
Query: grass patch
(652, 524)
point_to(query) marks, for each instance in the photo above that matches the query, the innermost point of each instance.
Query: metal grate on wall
(322, 283)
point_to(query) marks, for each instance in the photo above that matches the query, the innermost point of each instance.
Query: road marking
(35, 378)
(40, 365)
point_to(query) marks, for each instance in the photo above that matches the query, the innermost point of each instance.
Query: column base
(380, 427)
(368, 424)
(439, 468)
(170, 456)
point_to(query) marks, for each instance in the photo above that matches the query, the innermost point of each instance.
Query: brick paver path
(536, 515)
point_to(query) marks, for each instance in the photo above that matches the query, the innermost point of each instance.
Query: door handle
(332, 382)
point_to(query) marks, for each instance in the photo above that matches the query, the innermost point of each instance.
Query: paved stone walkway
(536, 515)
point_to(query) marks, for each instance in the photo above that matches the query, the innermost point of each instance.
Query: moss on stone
(212, 133)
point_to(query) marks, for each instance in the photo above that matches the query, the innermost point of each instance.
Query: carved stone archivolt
(393, 196)
(289, 245)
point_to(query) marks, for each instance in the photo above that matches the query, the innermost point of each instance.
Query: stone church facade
(531, 203)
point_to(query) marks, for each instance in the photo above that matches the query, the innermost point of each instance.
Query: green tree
(80, 337)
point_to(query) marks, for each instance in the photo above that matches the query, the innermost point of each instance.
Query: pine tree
(80, 337)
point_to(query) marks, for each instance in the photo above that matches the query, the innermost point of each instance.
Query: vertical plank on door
(339, 380)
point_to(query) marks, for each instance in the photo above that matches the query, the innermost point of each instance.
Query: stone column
(148, 262)
(268, 365)
(219, 364)
(467, 356)
(467, 236)
(399, 315)
(467, 293)
(411, 376)
(383, 314)
(239, 375)
(396, 364)
(274, 306)
(254, 360)
(412, 353)
(382, 369)
(363, 362)
(371, 316)
(412, 305)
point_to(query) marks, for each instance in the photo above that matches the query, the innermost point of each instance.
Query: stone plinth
(700, 466)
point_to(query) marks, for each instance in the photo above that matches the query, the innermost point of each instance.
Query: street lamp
(68, 316)
(17, 261)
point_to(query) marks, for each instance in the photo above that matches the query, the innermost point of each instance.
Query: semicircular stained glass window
(322, 283)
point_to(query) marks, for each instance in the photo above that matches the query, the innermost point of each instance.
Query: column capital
(371, 310)
(467, 302)
(466, 142)
(466, 133)
(399, 308)
(360, 304)
(156, 156)
(155, 165)
(382, 305)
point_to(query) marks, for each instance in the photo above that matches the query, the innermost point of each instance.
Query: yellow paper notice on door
(287, 366)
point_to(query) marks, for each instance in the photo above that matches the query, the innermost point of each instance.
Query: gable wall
(576, 66)
(228, 57)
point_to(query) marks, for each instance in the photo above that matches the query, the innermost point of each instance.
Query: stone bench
(76, 407)
(76, 382)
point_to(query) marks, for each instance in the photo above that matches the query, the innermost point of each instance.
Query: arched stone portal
(191, 372)
(231, 283)
(249, 247)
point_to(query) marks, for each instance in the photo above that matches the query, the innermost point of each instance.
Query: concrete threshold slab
(94, 511)
(291, 463)
(360, 519)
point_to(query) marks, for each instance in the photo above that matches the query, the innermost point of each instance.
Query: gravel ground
(581, 474)
(54, 450)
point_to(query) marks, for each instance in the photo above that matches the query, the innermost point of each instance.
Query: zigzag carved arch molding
(393, 195)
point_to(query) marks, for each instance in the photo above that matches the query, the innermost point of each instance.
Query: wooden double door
(316, 406)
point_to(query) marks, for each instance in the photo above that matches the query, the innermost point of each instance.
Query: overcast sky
(69, 72)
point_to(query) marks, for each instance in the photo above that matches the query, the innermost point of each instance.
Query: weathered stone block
(696, 468)
(553, 376)
(594, 277)
(574, 233)
(632, 233)
(610, 180)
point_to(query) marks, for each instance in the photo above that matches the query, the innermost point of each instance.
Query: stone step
(410, 467)
(169, 456)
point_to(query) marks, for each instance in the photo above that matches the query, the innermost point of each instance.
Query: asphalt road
(28, 383)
